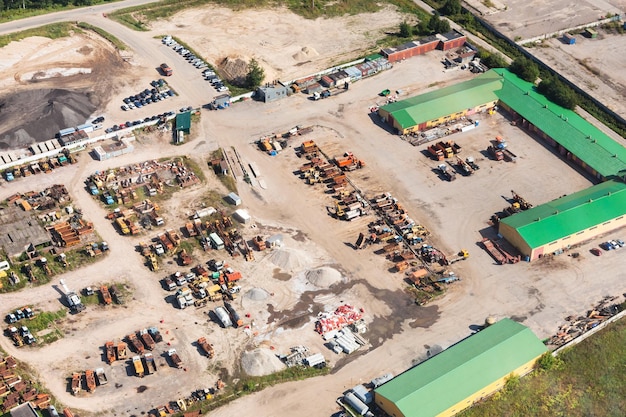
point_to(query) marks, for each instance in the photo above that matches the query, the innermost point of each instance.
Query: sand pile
(305, 54)
(234, 70)
(323, 277)
(260, 361)
(256, 294)
(289, 259)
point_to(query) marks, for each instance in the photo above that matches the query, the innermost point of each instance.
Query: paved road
(67, 15)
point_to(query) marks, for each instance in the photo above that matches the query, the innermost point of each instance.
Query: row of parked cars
(208, 73)
(145, 97)
(609, 245)
(128, 124)
(187, 54)
(215, 81)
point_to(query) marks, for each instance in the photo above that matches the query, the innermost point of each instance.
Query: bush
(493, 60)
(558, 92)
(525, 69)
(405, 30)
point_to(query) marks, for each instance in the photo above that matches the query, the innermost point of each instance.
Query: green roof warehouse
(462, 374)
(557, 224)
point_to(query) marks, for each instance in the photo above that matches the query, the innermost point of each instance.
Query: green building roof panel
(570, 214)
(183, 121)
(463, 369)
(445, 101)
(581, 138)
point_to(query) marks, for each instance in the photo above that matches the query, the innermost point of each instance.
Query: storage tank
(222, 315)
(358, 405)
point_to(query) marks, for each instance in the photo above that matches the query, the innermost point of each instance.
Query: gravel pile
(260, 361)
(37, 115)
(289, 259)
(256, 294)
(323, 277)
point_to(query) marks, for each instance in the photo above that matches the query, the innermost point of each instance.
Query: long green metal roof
(463, 369)
(445, 101)
(183, 121)
(570, 214)
(581, 138)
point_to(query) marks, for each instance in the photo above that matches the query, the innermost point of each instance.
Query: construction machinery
(460, 256)
(191, 230)
(495, 153)
(206, 347)
(73, 300)
(151, 366)
(349, 162)
(446, 149)
(136, 343)
(176, 361)
(90, 380)
(147, 339)
(101, 377)
(523, 204)
(470, 161)
(259, 243)
(62, 258)
(185, 259)
(436, 153)
(237, 322)
(465, 168)
(109, 351)
(153, 262)
(121, 351)
(445, 173)
(138, 365)
(76, 383)
(106, 295)
(173, 236)
(156, 334)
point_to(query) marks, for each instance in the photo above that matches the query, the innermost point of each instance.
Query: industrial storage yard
(314, 263)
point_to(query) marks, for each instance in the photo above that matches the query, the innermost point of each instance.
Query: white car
(222, 89)
(131, 106)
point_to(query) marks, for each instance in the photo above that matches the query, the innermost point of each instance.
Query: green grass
(52, 31)
(103, 33)
(585, 380)
(248, 385)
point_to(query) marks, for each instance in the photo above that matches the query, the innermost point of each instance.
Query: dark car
(126, 100)
(596, 251)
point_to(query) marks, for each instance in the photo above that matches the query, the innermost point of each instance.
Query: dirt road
(538, 294)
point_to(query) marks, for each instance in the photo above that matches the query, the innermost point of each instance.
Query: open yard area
(317, 268)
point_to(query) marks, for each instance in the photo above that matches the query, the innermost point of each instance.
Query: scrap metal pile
(578, 325)
(343, 316)
(15, 390)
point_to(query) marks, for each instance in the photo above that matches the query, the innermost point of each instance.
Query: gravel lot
(539, 294)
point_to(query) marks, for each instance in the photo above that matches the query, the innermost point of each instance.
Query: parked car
(620, 242)
(596, 251)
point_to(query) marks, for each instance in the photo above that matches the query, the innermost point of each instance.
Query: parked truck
(237, 322)
(206, 347)
(106, 295)
(122, 353)
(76, 383)
(110, 353)
(156, 334)
(151, 366)
(138, 365)
(167, 71)
(147, 339)
(90, 379)
(101, 377)
(176, 361)
(136, 343)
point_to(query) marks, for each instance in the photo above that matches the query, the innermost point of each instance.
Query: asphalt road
(67, 15)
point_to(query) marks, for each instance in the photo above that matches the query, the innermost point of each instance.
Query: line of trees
(43, 4)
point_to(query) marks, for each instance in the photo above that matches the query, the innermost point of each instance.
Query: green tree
(492, 60)
(405, 30)
(451, 8)
(525, 69)
(558, 92)
(255, 74)
(438, 25)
